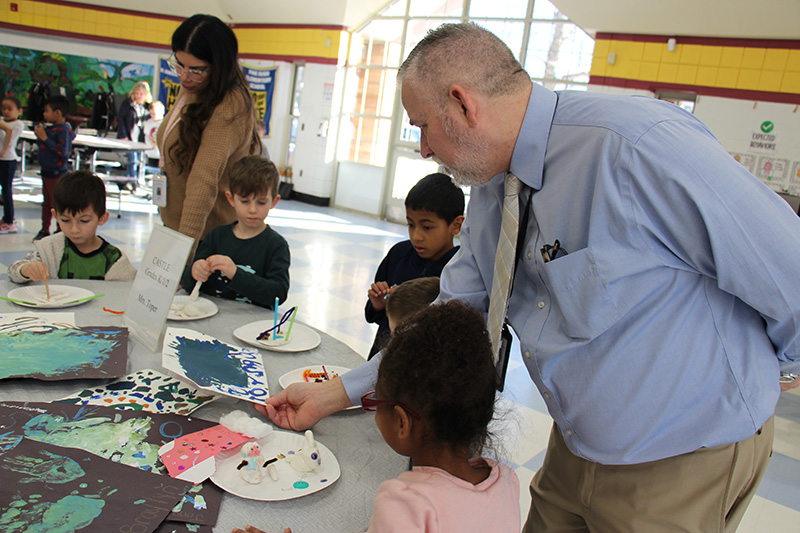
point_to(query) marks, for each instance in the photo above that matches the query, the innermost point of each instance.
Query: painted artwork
(81, 76)
(49, 488)
(192, 457)
(177, 527)
(146, 390)
(64, 353)
(214, 365)
(130, 438)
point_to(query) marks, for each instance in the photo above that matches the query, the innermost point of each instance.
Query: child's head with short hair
(252, 191)
(79, 190)
(410, 297)
(253, 175)
(11, 108)
(58, 109)
(438, 194)
(157, 110)
(434, 213)
(79, 200)
(439, 364)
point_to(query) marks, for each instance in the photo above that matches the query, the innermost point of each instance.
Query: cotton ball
(240, 422)
(191, 311)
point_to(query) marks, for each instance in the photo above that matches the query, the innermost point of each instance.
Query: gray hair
(466, 54)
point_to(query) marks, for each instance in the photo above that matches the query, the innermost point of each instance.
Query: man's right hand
(301, 405)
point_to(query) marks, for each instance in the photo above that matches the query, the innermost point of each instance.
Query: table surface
(365, 459)
(93, 141)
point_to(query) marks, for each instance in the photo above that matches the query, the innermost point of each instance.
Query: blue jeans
(133, 164)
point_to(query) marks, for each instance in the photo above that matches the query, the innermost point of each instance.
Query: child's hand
(40, 132)
(251, 529)
(201, 270)
(377, 295)
(34, 271)
(224, 264)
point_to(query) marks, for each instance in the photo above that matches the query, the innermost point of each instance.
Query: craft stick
(291, 324)
(46, 284)
(326, 373)
(275, 324)
(21, 302)
(84, 299)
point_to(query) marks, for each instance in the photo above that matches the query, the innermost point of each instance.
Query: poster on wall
(262, 87)
(168, 84)
(80, 76)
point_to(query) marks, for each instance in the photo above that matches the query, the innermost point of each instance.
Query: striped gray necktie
(504, 262)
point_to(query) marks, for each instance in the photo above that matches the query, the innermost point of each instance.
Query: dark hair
(253, 174)
(410, 297)
(440, 364)
(209, 39)
(58, 102)
(78, 190)
(13, 99)
(438, 194)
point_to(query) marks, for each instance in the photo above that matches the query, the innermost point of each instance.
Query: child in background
(55, 143)
(10, 130)
(247, 260)
(434, 212)
(433, 402)
(150, 128)
(408, 298)
(77, 252)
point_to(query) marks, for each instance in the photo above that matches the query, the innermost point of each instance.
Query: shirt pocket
(580, 294)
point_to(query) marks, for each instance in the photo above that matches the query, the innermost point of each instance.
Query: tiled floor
(334, 257)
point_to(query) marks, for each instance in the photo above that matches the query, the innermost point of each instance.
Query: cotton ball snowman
(306, 459)
(252, 463)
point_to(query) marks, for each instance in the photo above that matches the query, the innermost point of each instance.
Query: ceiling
(765, 19)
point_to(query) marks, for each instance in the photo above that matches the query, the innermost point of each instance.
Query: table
(94, 144)
(365, 459)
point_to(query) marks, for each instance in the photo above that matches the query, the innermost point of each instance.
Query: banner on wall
(262, 87)
(168, 84)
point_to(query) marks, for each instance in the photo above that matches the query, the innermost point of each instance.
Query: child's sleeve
(382, 274)
(59, 141)
(272, 282)
(14, 273)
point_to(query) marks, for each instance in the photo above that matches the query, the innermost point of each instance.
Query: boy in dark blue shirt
(55, 143)
(434, 212)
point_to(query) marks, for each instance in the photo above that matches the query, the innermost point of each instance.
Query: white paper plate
(206, 307)
(290, 484)
(302, 337)
(62, 296)
(296, 375)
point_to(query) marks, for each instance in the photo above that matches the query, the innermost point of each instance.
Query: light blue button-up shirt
(664, 327)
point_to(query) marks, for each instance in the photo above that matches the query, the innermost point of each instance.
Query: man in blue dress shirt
(657, 336)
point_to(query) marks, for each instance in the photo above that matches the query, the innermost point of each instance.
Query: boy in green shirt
(76, 252)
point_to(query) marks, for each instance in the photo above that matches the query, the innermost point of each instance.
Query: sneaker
(8, 228)
(41, 235)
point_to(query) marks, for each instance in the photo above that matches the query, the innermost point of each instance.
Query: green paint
(139, 502)
(66, 515)
(51, 353)
(121, 442)
(50, 468)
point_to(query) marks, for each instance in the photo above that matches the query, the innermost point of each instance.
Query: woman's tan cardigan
(196, 200)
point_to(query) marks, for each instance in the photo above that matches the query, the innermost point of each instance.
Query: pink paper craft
(192, 457)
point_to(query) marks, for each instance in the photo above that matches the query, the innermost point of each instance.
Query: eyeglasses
(551, 251)
(369, 402)
(196, 74)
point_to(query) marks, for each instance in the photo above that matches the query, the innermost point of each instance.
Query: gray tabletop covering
(365, 459)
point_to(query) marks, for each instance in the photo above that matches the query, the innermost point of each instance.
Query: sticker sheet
(214, 365)
(146, 390)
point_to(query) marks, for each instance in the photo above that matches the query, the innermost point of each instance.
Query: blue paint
(209, 362)
(55, 352)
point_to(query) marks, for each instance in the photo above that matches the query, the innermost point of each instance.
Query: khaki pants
(704, 491)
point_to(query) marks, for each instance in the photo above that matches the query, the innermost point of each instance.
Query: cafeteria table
(364, 458)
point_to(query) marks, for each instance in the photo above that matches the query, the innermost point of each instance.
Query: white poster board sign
(156, 284)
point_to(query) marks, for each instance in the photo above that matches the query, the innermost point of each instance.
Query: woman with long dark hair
(211, 126)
